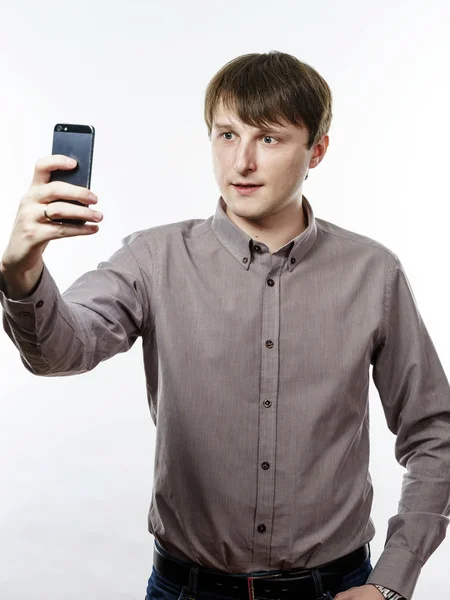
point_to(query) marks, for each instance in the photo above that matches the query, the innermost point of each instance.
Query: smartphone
(75, 141)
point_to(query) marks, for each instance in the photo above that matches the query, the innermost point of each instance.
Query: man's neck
(283, 228)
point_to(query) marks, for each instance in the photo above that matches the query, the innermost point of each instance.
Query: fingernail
(92, 196)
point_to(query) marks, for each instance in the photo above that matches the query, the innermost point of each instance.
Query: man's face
(277, 158)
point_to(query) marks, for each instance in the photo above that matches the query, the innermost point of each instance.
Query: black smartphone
(75, 141)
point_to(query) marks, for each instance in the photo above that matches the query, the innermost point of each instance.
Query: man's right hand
(22, 262)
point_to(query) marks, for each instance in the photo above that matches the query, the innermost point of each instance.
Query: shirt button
(257, 248)
(39, 304)
(269, 344)
(24, 313)
(267, 403)
(261, 528)
(270, 282)
(245, 260)
(292, 261)
(265, 466)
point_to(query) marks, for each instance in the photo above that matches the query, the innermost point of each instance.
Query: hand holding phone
(55, 179)
(74, 141)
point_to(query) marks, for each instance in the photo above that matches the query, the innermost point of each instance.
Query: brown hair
(266, 89)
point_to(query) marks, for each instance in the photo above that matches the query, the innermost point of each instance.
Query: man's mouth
(246, 189)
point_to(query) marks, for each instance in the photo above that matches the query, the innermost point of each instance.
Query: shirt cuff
(23, 320)
(398, 569)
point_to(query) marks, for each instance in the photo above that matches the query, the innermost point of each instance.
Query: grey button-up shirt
(257, 369)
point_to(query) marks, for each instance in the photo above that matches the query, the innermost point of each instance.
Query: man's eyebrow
(276, 128)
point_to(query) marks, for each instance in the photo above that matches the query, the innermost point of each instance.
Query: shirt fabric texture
(258, 368)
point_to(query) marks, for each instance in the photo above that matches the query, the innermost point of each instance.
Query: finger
(45, 165)
(65, 210)
(54, 231)
(57, 190)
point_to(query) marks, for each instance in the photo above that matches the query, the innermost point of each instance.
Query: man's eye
(265, 136)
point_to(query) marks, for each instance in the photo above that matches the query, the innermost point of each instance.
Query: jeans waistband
(261, 584)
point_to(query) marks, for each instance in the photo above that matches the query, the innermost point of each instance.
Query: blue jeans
(160, 588)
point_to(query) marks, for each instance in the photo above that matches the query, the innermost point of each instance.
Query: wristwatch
(387, 593)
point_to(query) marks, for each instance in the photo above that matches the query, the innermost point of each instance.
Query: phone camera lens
(59, 128)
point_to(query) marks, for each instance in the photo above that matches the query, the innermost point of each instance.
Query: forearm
(19, 285)
(101, 314)
(39, 326)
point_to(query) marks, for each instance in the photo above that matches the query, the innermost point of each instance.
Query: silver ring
(49, 219)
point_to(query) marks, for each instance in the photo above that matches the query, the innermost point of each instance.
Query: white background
(76, 453)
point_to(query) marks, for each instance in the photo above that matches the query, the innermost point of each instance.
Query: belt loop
(318, 585)
(251, 590)
(192, 589)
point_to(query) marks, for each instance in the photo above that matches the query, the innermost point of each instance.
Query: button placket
(268, 418)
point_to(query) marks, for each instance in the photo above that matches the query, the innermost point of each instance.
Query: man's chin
(245, 210)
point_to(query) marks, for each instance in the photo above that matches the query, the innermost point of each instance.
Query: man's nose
(245, 159)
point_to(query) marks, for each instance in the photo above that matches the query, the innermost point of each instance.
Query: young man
(259, 326)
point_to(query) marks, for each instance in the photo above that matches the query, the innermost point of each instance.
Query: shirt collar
(242, 246)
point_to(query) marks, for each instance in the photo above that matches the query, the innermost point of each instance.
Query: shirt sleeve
(101, 314)
(415, 396)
